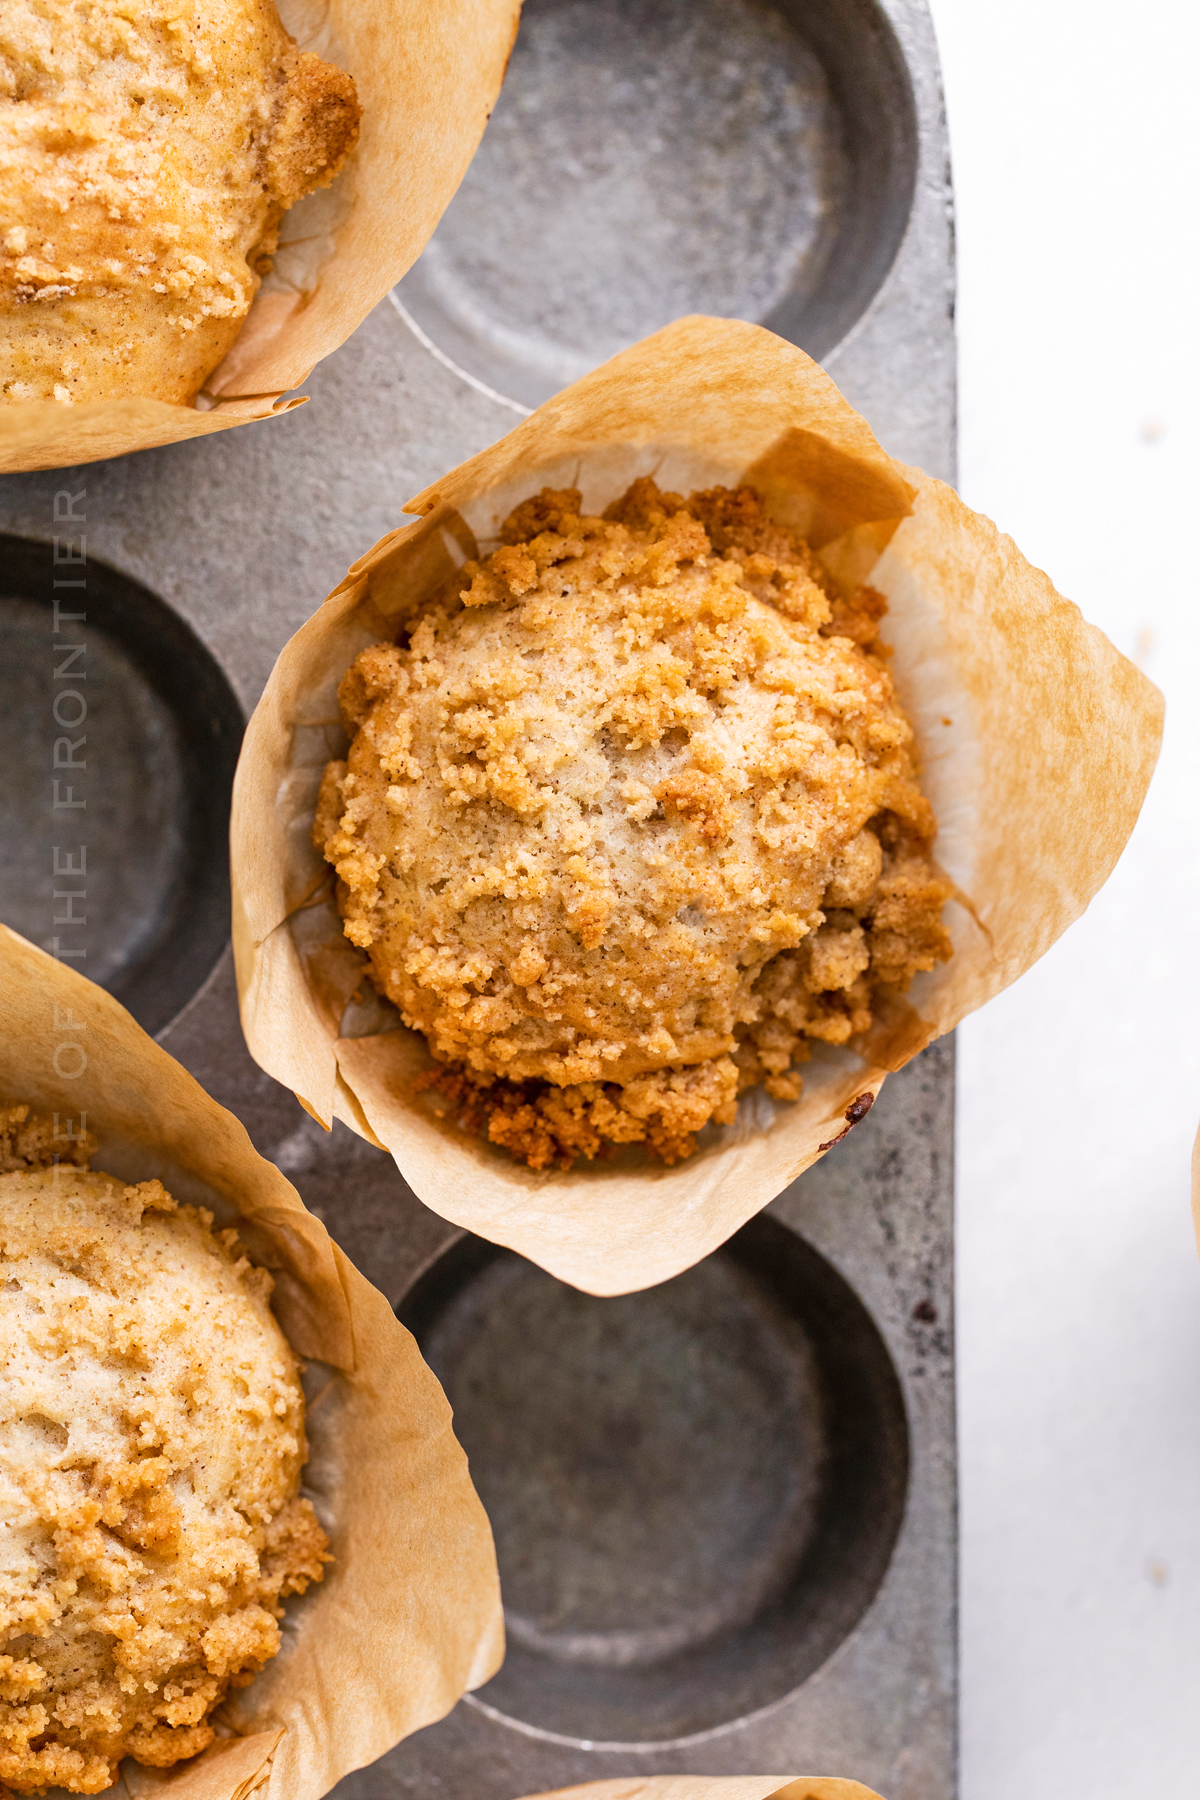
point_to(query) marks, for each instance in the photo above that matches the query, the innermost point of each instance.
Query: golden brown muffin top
(150, 151)
(634, 807)
(151, 1441)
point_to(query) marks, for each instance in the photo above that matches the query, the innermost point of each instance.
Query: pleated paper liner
(1037, 740)
(428, 78)
(715, 1787)
(408, 1616)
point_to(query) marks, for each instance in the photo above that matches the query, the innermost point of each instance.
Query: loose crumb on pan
(151, 1443)
(148, 154)
(630, 819)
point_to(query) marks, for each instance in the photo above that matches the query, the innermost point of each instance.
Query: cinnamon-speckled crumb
(39, 1140)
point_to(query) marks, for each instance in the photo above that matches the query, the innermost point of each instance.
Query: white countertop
(1077, 168)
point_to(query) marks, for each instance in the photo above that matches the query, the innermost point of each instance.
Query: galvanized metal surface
(242, 535)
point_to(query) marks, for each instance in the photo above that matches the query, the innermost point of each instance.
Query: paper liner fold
(428, 78)
(1037, 740)
(408, 1616)
(714, 1787)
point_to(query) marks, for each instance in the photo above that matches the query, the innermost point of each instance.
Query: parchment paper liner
(408, 1617)
(714, 1787)
(1037, 739)
(428, 77)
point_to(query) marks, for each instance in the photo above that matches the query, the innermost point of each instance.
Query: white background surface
(1076, 145)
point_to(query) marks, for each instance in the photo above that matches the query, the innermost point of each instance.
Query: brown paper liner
(428, 77)
(714, 1787)
(408, 1616)
(1037, 740)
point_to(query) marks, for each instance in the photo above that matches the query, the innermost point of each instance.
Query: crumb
(630, 820)
(547, 1126)
(37, 1141)
(151, 1442)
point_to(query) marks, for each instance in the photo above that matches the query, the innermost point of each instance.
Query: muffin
(147, 156)
(1036, 742)
(630, 818)
(151, 1443)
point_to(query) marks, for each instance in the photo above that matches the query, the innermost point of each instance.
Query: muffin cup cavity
(408, 1615)
(696, 1490)
(655, 157)
(164, 727)
(1036, 737)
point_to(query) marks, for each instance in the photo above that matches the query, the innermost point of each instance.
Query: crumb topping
(31, 1140)
(629, 819)
(147, 156)
(151, 1442)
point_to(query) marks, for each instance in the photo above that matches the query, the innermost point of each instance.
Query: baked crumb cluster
(147, 156)
(151, 1442)
(30, 1140)
(629, 819)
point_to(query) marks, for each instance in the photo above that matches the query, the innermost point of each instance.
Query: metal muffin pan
(725, 1508)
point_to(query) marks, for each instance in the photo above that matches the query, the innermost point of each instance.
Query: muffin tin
(802, 1378)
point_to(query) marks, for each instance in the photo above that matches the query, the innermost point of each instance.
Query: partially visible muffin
(630, 817)
(151, 1443)
(147, 156)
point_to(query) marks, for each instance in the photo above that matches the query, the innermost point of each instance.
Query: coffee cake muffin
(151, 1443)
(147, 156)
(630, 819)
